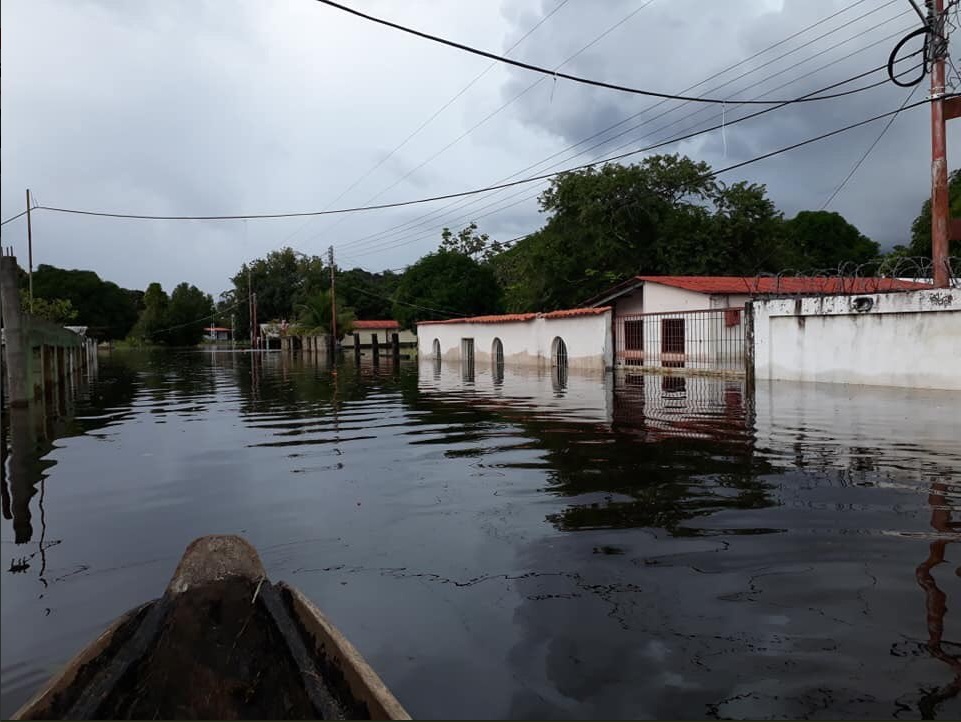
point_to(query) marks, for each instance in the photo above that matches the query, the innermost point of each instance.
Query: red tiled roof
(754, 285)
(377, 324)
(523, 317)
(216, 328)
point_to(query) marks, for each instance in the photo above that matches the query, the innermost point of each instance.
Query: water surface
(508, 544)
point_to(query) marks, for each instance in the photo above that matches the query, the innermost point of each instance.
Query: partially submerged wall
(527, 339)
(910, 339)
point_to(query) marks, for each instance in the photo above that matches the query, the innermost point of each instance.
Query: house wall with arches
(527, 339)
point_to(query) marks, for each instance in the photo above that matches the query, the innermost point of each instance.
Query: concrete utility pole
(942, 110)
(333, 303)
(30, 250)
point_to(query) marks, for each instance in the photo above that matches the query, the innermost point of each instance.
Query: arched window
(559, 353)
(497, 353)
(436, 350)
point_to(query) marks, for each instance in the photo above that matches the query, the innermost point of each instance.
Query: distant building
(383, 329)
(217, 333)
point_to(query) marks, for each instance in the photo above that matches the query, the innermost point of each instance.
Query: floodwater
(514, 544)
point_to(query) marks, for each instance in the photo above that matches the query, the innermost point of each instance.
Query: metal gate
(711, 340)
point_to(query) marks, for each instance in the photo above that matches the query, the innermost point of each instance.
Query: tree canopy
(824, 240)
(108, 311)
(177, 320)
(281, 280)
(445, 283)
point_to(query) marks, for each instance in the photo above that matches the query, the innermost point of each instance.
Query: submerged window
(559, 353)
(497, 352)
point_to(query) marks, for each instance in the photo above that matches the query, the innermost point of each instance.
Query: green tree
(189, 312)
(281, 281)
(107, 310)
(664, 215)
(314, 315)
(470, 243)
(153, 321)
(369, 294)
(921, 227)
(55, 310)
(825, 241)
(445, 283)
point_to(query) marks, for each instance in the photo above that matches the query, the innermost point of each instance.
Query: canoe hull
(222, 643)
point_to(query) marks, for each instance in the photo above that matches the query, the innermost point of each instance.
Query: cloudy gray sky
(189, 107)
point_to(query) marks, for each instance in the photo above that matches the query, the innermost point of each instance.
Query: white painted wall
(908, 339)
(526, 343)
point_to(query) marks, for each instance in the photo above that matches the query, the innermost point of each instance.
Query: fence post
(395, 348)
(14, 331)
(357, 349)
(749, 348)
(375, 348)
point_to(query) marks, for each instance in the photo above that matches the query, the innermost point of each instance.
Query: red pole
(940, 204)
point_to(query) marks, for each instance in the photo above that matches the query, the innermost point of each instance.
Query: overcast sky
(200, 108)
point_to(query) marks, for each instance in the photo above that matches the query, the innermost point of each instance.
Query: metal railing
(703, 340)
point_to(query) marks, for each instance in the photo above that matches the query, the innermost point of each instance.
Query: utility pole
(250, 307)
(942, 110)
(30, 250)
(333, 303)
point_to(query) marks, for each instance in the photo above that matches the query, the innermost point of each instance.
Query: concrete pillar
(18, 369)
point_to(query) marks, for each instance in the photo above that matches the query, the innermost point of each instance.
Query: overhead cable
(557, 74)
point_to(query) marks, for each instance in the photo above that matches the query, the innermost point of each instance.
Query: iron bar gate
(710, 340)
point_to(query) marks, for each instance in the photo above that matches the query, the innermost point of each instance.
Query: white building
(578, 338)
(384, 329)
(698, 321)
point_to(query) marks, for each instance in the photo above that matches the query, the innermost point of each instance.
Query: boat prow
(223, 642)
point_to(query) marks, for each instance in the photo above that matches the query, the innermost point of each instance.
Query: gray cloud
(186, 108)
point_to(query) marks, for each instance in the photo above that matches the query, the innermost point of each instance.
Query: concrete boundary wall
(525, 342)
(910, 339)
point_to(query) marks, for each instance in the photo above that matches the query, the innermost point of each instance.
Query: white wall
(906, 339)
(526, 343)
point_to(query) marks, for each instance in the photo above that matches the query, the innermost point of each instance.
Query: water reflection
(510, 543)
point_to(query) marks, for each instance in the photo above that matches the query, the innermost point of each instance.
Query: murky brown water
(516, 545)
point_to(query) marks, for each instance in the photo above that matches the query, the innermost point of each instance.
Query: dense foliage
(445, 284)
(107, 310)
(282, 281)
(175, 321)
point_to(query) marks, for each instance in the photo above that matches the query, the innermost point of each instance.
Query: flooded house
(382, 329)
(577, 338)
(698, 322)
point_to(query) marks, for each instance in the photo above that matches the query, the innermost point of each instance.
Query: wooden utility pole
(943, 228)
(30, 250)
(250, 306)
(333, 303)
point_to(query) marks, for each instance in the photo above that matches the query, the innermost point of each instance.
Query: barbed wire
(882, 275)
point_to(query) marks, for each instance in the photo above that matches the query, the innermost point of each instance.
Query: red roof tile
(523, 317)
(377, 324)
(769, 285)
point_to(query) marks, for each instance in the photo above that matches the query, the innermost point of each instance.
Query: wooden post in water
(357, 348)
(395, 348)
(375, 349)
(15, 333)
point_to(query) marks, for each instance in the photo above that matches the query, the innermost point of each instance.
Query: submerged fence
(705, 340)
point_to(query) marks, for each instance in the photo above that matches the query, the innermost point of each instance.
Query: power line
(500, 108)
(870, 148)
(799, 144)
(13, 218)
(434, 115)
(676, 139)
(423, 220)
(447, 196)
(553, 73)
(411, 305)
